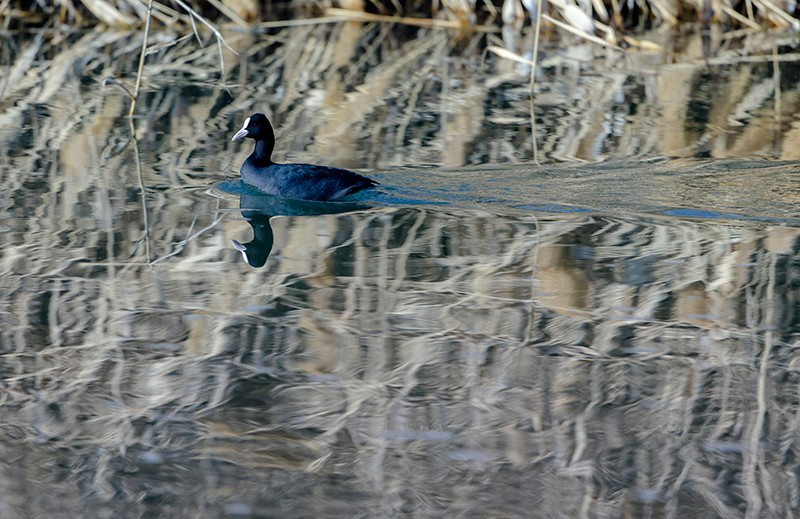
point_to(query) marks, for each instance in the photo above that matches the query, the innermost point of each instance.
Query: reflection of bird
(256, 251)
(297, 181)
(258, 209)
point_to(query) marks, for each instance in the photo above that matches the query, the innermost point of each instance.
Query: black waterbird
(298, 181)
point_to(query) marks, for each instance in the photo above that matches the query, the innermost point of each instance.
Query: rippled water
(565, 340)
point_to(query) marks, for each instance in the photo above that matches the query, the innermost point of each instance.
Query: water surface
(502, 339)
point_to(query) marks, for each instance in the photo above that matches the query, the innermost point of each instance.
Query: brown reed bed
(610, 24)
(610, 19)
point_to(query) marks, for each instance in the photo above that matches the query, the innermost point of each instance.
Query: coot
(299, 181)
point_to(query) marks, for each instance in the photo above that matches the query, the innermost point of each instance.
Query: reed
(612, 18)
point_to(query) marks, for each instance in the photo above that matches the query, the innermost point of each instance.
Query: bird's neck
(263, 151)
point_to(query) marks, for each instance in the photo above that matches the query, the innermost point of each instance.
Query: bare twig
(142, 189)
(220, 40)
(141, 60)
(535, 59)
(194, 31)
(112, 81)
(228, 12)
(583, 34)
(416, 22)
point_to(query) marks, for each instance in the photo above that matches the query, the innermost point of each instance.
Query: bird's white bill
(241, 248)
(241, 134)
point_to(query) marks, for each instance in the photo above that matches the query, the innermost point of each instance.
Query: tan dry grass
(461, 15)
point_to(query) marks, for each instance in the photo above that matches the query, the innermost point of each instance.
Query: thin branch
(142, 189)
(112, 81)
(535, 59)
(220, 40)
(141, 60)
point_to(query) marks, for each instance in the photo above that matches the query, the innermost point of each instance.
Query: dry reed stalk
(744, 20)
(302, 22)
(354, 5)
(780, 17)
(645, 45)
(220, 40)
(161, 12)
(463, 14)
(109, 14)
(140, 70)
(532, 79)
(233, 15)
(404, 20)
(142, 188)
(583, 34)
(507, 54)
(145, 50)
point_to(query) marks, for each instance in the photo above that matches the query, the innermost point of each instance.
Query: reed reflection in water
(417, 361)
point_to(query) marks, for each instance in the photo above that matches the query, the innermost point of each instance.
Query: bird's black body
(298, 181)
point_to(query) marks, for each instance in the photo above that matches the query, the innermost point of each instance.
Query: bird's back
(304, 181)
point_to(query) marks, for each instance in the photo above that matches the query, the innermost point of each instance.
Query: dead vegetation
(612, 19)
(182, 36)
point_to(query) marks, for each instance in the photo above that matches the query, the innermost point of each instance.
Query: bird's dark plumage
(298, 181)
